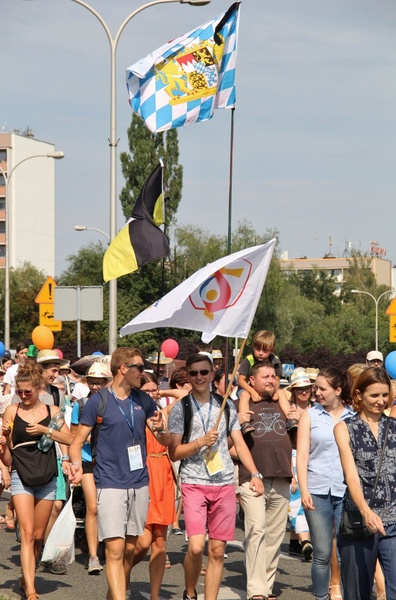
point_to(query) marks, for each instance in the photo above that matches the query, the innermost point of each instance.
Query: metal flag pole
(229, 235)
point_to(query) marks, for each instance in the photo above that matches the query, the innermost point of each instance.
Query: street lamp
(376, 301)
(55, 155)
(113, 41)
(85, 228)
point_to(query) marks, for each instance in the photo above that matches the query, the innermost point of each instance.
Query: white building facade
(30, 201)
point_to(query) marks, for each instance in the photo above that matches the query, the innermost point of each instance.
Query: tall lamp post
(56, 155)
(113, 142)
(376, 301)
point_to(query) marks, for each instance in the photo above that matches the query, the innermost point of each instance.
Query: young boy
(263, 346)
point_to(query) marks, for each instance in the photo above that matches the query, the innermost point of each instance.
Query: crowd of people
(316, 451)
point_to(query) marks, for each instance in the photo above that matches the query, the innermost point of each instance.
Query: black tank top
(34, 467)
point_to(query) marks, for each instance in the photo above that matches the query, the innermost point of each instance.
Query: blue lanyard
(130, 424)
(205, 427)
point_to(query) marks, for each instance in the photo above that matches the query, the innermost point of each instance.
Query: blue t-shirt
(111, 469)
(86, 453)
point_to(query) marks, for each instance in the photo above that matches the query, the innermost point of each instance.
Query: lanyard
(130, 424)
(205, 427)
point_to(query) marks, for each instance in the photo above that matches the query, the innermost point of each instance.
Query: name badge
(135, 458)
(213, 462)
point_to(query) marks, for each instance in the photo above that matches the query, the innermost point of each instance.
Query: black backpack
(187, 411)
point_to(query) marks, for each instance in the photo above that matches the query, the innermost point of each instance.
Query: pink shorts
(209, 509)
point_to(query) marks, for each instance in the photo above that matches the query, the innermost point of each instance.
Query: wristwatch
(50, 431)
(258, 475)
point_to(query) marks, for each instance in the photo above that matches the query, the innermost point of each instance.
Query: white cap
(98, 370)
(375, 355)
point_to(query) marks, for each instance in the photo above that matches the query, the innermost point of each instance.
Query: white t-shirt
(9, 377)
(81, 390)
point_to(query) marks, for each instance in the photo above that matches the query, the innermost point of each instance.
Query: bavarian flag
(141, 240)
(185, 80)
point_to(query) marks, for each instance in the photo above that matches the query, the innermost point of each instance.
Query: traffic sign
(392, 328)
(391, 310)
(46, 295)
(47, 317)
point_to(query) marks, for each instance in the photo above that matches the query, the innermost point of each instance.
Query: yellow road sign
(46, 294)
(392, 328)
(391, 310)
(47, 317)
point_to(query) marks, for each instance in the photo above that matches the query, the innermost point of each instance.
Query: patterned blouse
(366, 451)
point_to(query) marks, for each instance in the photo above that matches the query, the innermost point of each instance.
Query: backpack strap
(187, 411)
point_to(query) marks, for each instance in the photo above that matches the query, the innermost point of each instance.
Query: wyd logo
(222, 289)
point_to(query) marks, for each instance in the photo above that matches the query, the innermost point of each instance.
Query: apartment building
(27, 201)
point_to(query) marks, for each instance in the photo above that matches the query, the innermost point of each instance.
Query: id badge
(213, 462)
(135, 458)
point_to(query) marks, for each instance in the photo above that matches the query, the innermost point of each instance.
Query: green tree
(25, 283)
(146, 149)
(319, 286)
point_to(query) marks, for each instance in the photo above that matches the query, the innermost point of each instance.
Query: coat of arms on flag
(185, 80)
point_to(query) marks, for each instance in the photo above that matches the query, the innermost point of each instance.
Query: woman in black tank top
(32, 470)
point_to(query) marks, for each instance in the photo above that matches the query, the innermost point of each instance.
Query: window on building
(2, 226)
(3, 155)
(2, 251)
(2, 182)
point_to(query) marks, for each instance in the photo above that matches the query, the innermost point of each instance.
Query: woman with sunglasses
(33, 473)
(161, 511)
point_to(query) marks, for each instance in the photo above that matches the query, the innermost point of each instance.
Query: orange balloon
(43, 338)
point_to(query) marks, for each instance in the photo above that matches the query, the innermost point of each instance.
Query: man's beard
(267, 394)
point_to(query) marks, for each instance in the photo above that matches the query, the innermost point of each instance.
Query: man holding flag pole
(207, 475)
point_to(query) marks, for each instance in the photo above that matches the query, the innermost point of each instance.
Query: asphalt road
(293, 581)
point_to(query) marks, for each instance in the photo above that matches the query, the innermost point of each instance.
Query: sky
(315, 118)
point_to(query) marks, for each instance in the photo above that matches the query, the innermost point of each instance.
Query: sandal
(32, 596)
(335, 592)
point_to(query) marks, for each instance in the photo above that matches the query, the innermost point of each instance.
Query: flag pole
(229, 235)
(227, 393)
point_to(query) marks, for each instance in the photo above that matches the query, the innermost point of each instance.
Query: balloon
(2, 349)
(59, 352)
(97, 353)
(390, 364)
(170, 348)
(42, 337)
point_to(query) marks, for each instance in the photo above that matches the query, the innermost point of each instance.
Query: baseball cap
(375, 355)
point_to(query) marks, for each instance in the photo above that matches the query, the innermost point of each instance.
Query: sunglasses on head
(139, 366)
(203, 372)
(22, 393)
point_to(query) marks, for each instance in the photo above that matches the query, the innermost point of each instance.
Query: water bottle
(56, 423)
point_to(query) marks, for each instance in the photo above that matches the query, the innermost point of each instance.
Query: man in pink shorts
(207, 475)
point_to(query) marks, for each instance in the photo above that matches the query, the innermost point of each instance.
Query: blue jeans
(358, 559)
(321, 522)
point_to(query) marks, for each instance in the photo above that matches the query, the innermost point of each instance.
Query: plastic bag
(60, 542)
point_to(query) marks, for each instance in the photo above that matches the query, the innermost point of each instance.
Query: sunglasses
(203, 372)
(139, 366)
(26, 393)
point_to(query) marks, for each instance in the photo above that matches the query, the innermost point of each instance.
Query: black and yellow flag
(141, 240)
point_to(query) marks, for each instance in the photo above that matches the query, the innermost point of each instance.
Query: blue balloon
(390, 364)
(2, 349)
(97, 353)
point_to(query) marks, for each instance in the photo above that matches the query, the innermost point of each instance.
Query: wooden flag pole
(238, 360)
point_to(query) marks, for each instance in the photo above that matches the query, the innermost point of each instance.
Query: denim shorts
(41, 492)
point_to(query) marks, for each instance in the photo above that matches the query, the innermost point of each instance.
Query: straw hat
(312, 373)
(162, 359)
(216, 354)
(299, 378)
(98, 370)
(49, 356)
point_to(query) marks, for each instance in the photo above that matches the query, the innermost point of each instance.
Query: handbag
(352, 524)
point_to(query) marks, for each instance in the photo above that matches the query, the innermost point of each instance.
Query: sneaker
(295, 550)
(307, 550)
(186, 597)
(57, 568)
(94, 567)
(177, 531)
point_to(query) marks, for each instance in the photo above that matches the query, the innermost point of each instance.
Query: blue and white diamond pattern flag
(185, 80)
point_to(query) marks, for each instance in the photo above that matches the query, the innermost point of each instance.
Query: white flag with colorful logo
(220, 299)
(186, 79)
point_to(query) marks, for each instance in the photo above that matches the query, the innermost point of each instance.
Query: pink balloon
(170, 348)
(59, 352)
